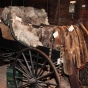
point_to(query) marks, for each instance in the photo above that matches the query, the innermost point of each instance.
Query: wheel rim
(36, 70)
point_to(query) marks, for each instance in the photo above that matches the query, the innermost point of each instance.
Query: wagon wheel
(36, 70)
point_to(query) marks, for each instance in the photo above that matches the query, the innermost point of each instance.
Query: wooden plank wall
(64, 17)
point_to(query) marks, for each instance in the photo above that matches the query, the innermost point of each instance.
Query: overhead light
(72, 2)
(83, 6)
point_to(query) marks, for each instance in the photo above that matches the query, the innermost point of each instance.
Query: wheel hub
(32, 81)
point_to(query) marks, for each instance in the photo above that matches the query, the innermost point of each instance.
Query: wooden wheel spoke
(42, 86)
(22, 72)
(47, 83)
(32, 66)
(41, 73)
(36, 67)
(23, 67)
(38, 86)
(21, 79)
(45, 76)
(24, 85)
(43, 66)
(27, 63)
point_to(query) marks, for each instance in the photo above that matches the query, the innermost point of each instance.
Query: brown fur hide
(75, 48)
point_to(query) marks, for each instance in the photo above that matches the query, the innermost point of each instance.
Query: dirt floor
(3, 69)
(85, 87)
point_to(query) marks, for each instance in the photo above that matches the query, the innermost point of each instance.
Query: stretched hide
(23, 21)
(5, 31)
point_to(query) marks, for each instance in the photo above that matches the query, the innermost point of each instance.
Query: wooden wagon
(43, 54)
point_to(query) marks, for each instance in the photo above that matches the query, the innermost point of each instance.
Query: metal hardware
(72, 8)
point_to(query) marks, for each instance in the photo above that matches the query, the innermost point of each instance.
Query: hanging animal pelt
(75, 48)
(29, 15)
(69, 37)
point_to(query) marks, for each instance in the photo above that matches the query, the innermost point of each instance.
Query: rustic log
(84, 28)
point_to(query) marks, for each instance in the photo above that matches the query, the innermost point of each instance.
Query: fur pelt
(29, 15)
(75, 48)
